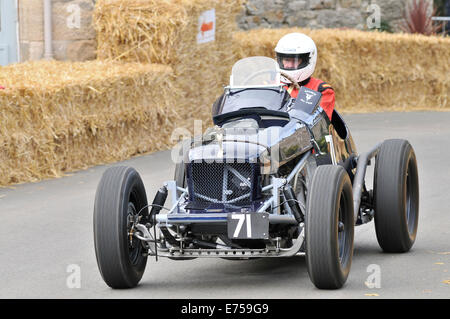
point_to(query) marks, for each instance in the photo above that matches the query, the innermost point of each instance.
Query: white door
(8, 32)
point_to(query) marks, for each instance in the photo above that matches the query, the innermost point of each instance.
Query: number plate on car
(248, 226)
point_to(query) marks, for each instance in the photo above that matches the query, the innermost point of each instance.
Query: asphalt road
(46, 236)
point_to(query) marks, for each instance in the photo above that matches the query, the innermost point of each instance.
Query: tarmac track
(46, 234)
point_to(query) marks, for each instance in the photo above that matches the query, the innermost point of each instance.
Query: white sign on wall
(206, 26)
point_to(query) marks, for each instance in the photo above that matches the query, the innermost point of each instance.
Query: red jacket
(327, 91)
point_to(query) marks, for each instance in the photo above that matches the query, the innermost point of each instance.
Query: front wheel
(396, 186)
(329, 227)
(119, 200)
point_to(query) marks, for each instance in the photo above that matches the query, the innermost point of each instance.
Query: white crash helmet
(303, 50)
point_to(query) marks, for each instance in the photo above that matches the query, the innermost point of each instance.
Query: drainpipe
(48, 53)
(19, 58)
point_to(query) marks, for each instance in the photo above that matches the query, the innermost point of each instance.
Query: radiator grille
(221, 183)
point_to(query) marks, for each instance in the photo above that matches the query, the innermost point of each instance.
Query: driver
(297, 56)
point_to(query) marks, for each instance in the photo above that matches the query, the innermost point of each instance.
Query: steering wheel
(255, 74)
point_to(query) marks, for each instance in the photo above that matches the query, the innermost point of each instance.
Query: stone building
(34, 29)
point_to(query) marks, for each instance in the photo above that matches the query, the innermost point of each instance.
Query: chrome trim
(172, 187)
(329, 140)
(204, 218)
(175, 252)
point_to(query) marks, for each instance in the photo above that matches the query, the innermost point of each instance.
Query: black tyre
(119, 198)
(396, 193)
(329, 227)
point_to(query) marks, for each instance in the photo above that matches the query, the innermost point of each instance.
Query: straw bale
(370, 70)
(58, 117)
(165, 31)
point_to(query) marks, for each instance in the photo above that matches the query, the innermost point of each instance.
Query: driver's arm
(328, 99)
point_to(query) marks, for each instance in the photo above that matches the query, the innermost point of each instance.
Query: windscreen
(268, 98)
(255, 72)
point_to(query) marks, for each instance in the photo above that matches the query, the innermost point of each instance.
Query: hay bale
(59, 117)
(370, 70)
(165, 31)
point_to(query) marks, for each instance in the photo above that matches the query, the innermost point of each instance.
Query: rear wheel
(119, 198)
(396, 192)
(329, 227)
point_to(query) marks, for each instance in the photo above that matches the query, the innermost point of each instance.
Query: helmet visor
(292, 61)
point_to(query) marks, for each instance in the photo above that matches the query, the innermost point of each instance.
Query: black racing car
(273, 178)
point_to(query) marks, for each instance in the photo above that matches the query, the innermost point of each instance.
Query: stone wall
(73, 33)
(318, 13)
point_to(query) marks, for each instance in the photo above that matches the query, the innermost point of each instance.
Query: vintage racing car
(273, 178)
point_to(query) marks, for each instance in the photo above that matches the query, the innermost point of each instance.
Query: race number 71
(248, 226)
(241, 219)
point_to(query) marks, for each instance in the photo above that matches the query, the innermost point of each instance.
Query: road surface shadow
(238, 273)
